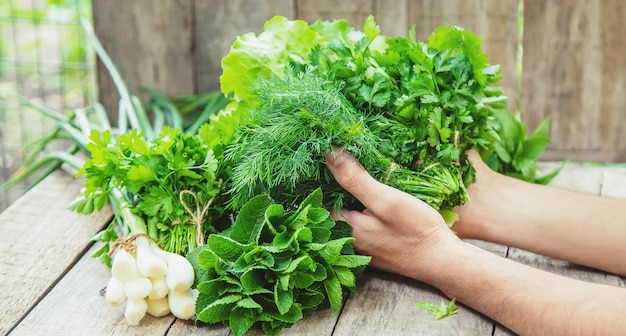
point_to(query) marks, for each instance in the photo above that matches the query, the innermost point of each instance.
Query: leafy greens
(408, 110)
(273, 264)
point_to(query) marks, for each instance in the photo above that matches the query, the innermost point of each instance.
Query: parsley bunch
(173, 179)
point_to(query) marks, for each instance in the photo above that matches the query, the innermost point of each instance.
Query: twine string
(128, 244)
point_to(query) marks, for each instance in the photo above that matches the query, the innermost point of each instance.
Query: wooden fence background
(573, 59)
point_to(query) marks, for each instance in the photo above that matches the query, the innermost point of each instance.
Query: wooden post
(575, 71)
(150, 42)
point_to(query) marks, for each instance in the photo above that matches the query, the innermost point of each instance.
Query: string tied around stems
(128, 244)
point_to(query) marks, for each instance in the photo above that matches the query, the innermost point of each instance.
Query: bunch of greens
(280, 151)
(408, 110)
(517, 153)
(173, 180)
(274, 264)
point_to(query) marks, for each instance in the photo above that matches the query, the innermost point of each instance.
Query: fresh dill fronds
(281, 150)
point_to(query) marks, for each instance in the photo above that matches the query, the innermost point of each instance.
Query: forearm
(527, 300)
(582, 228)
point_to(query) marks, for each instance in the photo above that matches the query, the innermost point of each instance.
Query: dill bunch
(281, 148)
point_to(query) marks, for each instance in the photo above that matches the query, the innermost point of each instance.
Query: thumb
(351, 175)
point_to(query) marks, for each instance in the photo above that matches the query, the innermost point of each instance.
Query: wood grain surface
(56, 288)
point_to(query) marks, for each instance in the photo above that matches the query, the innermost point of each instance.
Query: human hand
(483, 194)
(399, 231)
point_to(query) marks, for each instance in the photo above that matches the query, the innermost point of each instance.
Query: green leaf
(250, 220)
(543, 128)
(249, 303)
(503, 153)
(140, 174)
(219, 310)
(298, 218)
(274, 213)
(370, 28)
(156, 199)
(345, 276)
(352, 261)
(317, 215)
(314, 199)
(332, 249)
(302, 280)
(441, 311)
(320, 234)
(310, 299)
(253, 280)
(225, 247)
(252, 57)
(241, 319)
(220, 286)
(206, 258)
(283, 298)
(257, 256)
(456, 38)
(293, 315)
(534, 146)
(319, 272)
(304, 263)
(304, 235)
(527, 167)
(334, 291)
(283, 241)
(545, 179)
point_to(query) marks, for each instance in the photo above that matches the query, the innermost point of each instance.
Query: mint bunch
(273, 265)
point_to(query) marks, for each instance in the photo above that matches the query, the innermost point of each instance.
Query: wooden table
(50, 285)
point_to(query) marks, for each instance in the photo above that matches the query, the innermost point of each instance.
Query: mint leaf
(218, 310)
(352, 261)
(441, 311)
(250, 220)
(333, 288)
(225, 247)
(283, 298)
(241, 319)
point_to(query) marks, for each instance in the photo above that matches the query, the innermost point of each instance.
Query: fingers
(356, 180)
(364, 225)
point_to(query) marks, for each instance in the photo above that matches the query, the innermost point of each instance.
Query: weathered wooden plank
(614, 182)
(39, 239)
(76, 306)
(217, 25)
(189, 328)
(494, 21)
(355, 11)
(385, 304)
(574, 71)
(392, 17)
(151, 44)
